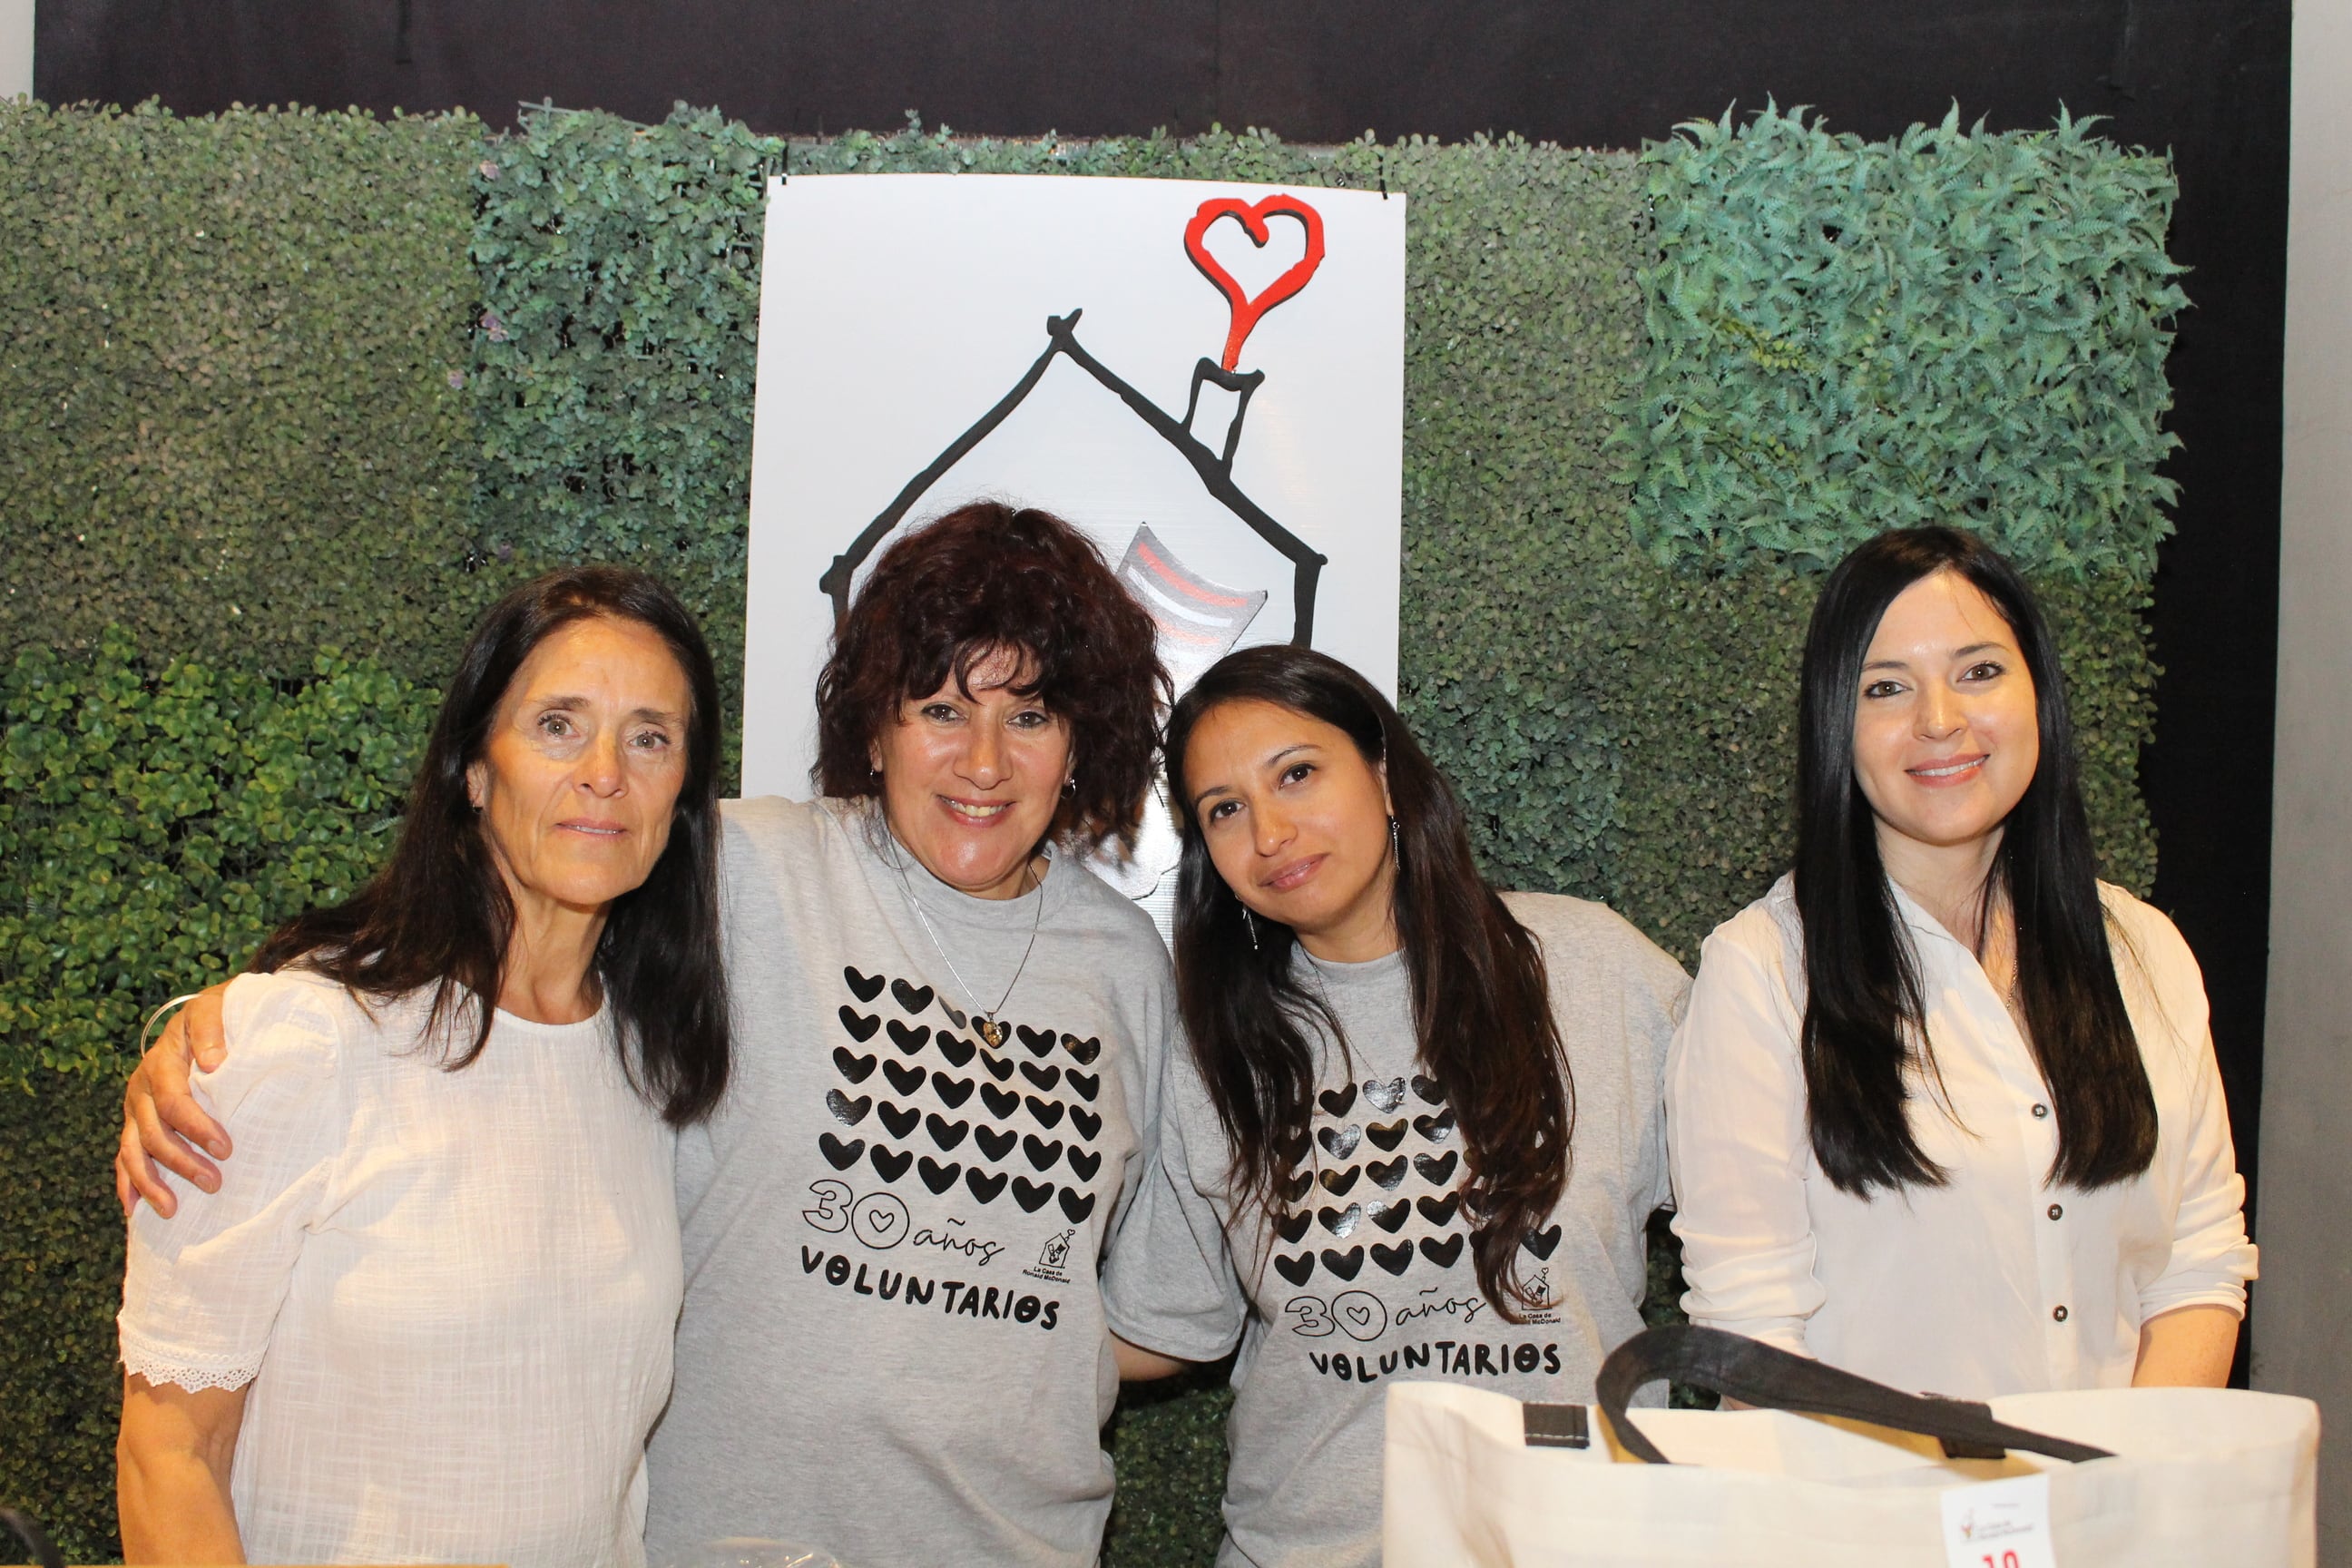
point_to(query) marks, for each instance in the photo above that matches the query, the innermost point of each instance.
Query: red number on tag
(2007, 1560)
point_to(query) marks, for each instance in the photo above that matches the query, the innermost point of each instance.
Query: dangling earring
(1070, 785)
(1250, 920)
(1396, 849)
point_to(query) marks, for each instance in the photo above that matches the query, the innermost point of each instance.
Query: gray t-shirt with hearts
(1371, 1281)
(892, 1345)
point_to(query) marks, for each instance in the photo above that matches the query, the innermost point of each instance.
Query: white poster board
(1207, 378)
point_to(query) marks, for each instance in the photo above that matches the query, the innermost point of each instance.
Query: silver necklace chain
(990, 1027)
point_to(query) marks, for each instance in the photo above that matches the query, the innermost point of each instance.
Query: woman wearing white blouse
(1944, 1110)
(428, 1316)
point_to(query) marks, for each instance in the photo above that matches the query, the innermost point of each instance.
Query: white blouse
(452, 1293)
(1997, 1282)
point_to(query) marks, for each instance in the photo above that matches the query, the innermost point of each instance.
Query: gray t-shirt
(892, 1345)
(1371, 1281)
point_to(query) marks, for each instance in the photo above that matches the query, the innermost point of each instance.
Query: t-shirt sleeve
(1657, 996)
(1170, 1285)
(1735, 1129)
(201, 1291)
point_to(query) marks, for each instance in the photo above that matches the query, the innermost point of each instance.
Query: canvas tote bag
(2199, 1477)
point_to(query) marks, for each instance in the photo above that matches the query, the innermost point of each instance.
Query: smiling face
(583, 768)
(1296, 823)
(971, 783)
(1946, 734)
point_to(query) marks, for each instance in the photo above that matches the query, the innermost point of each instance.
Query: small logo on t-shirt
(1052, 1255)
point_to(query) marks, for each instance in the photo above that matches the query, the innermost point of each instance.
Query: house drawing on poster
(1200, 618)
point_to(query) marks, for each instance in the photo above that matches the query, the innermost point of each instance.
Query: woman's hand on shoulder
(162, 1119)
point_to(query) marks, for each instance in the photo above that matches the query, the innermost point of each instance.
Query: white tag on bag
(1999, 1524)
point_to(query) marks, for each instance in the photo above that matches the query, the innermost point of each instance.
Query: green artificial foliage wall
(1648, 397)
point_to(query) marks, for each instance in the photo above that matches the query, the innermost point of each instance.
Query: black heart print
(1437, 1129)
(1292, 1149)
(1086, 1121)
(954, 1015)
(1392, 1258)
(1335, 1102)
(838, 1155)
(1345, 1265)
(1295, 1269)
(945, 1133)
(1084, 1083)
(1541, 1242)
(1340, 1222)
(890, 1165)
(1386, 1136)
(1385, 1097)
(1031, 1196)
(1336, 1185)
(1039, 1041)
(957, 1049)
(899, 1121)
(863, 987)
(1390, 1216)
(1041, 1155)
(1438, 1172)
(853, 1067)
(1049, 1112)
(1001, 1102)
(953, 1091)
(909, 1040)
(1429, 1089)
(1085, 1163)
(1077, 1205)
(1438, 1211)
(999, 1067)
(1290, 1227)
(1340, 1143)
(1293, 1188)
(1086, 1050)
(1387, 1173)
(848, 1111)
(993, 1143)
(913, 998)
(983, 1187)
(861, 1026)
(905, 1077)
(936, 1176)
(1044, 1077)
(1442, 1253)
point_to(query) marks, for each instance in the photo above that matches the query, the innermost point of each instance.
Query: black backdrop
(2206, 79)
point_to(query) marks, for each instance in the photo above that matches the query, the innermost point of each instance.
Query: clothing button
(2060, 1314)
(2040, 1112)
(2057, 1211)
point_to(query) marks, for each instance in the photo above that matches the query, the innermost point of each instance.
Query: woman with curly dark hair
(949, 1036)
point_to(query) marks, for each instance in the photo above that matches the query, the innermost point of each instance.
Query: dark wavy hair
(1865, 1009)
(1481, 999)
(987, 579)
(439, 914)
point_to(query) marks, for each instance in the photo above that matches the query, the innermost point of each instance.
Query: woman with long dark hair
(1417, 1132)
(427, 1314)
(892, 1342)
(1945, 1111)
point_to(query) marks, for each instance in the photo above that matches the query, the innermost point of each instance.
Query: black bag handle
(1774, 1379)
(25, 1530)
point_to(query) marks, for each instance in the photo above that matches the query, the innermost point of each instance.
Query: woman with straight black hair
(426, 1315)
(1417, 1132)
(1945, 1111)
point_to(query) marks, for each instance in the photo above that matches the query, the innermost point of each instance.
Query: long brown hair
(1481, 999)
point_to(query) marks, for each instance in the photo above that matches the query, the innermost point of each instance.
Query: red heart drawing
(1247, 309)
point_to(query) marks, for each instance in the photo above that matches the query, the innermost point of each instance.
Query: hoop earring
(1070, 785)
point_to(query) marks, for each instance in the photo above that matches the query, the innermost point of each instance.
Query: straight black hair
(1864, 1010)
(438, 914)
(1481, 999)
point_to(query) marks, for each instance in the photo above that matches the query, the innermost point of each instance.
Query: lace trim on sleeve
(192, 1376)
